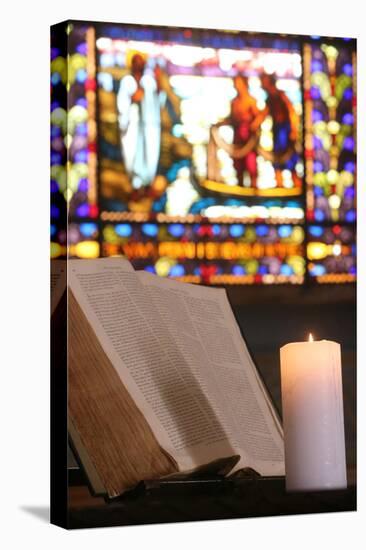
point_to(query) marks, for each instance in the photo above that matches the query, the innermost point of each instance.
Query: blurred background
(221, 158)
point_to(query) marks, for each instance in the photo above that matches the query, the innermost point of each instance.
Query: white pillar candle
(312, 407)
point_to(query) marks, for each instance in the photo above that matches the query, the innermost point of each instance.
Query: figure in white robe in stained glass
(138, 106)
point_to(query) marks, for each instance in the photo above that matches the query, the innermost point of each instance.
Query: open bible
(160, 379)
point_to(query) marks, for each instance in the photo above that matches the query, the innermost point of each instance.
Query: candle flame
(311, 339)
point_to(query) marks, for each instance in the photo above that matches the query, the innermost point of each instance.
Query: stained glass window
(330, 153)
(208, 156)
(73, 139)
(330, 148)
(209, 145)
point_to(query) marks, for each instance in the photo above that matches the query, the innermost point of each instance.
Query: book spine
(58, 215)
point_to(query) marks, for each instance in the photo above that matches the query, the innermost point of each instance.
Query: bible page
(219, 370)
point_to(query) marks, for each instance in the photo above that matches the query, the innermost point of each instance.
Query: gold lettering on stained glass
(200, 250)
(139, 250)
(211, 250)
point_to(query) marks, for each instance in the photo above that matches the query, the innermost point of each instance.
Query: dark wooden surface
(203, 501)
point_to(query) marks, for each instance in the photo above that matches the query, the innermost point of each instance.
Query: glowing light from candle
(311, 339)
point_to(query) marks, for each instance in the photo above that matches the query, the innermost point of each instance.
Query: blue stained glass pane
(177, 130)
(82, 102)
(348, 69)
(55, 78)
(81, 129)
(317, 270)
(54, 186)
(318, 166)
(233, 202)
(348, 143)
(318, 144)
(172, 172)
(88, 229)
(316, 230)
(272, 202)
(236, 230)
(55, 52)
(317, 116)
(347, 118)
(316, 66)
(81, 156)
(350, 167)
(150, 268)
(55, 212)
(286, 270)
(284, 230)
(150, 229)
(123, 229)
(176, 229)
(53, 230)
(216, 229)
(349, 192)
(105, 80)
(350, 216)
(55, 131)
(177, 271)
(159, 204)
(262, 230)
(318, 191)
(82, 210)
(106, 60)
(319, 215)
(83, 185)
(56, 158)
(348, 93)
(293, 204)
(81, 75)
(238, 270)
(82, 48)
(263, 269)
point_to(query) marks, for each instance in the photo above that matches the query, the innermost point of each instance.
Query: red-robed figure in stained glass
(245, 119)
(285, 128)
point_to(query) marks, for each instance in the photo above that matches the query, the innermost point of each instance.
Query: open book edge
(98, 401)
